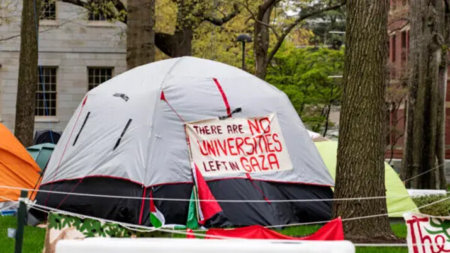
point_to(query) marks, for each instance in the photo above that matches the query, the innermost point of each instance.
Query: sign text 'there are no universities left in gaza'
(246, 145)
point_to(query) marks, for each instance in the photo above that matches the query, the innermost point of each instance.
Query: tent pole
(21, 221)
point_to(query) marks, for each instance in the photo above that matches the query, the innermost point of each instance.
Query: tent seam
(154, 115)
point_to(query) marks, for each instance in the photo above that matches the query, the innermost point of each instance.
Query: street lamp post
(243, 38)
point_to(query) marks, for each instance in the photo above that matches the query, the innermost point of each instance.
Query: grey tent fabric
(132, 126)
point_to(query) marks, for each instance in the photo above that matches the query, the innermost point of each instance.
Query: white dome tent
(128, 138)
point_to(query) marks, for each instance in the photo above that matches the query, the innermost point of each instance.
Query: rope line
(148, 229)
(361, 217)
(207, 200)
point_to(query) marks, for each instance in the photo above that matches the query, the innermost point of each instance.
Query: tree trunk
(424, 147)
(360, 164)
(180, 43)
(28, 73)
(261, 42)
(177, 45)
(140, 32)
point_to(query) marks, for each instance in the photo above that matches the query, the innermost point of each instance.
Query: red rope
(257, 188)
(65, 148)
(142, 206)
(62, 201)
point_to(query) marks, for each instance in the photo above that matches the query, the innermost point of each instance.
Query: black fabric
(46, 136)
(124, 210)
(218, 220)
(175, 212)
(273, 213)
(81, 129)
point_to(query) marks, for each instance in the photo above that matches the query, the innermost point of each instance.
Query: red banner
(332, 231)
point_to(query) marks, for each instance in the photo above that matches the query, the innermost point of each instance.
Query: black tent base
(248, 208)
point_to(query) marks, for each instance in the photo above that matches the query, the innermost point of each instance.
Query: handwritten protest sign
(248, 145)
(427, 234)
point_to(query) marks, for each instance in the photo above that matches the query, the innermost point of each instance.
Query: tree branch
(267, 4)
(269, 26)
(118, 4)
(43, 31)
(221, 21)
(399, 28)
(296, 22)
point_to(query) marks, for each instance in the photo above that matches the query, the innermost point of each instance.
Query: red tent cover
(332, 231)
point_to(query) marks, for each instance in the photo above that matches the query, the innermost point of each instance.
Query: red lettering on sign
(277, 141)
(240, 129)
(231, 148)
(239, 144)
(222, 146)
(210, 148)
(254, 163)
(213, 130)
(269, 143)
(245, 165)
(265, 127)
(262, 159)
(229, 129)
(247, 141)
(202, 150)
(272, 159)
(254, 126)
(211, 165)
(260, 163)
(234, 166)
(206, 168)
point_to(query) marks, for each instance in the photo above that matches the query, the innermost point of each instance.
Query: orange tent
(17, 167)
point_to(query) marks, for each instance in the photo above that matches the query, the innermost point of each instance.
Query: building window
(95, 15)
(98, 76)
(407, 41)
(394, 44)
(48, 10)
(404, 39)
(46, 95)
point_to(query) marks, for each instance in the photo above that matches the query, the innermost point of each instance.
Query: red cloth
(208, 208)
(332, 231)
(190, 234)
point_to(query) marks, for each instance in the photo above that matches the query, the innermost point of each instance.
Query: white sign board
(427, 234)
(144, 245)
(248, 145)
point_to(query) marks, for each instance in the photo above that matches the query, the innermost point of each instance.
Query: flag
(190, 234)
(156, 217)
(209, 209)
(192, 220)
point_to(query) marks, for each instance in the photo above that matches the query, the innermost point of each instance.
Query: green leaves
(303, 74)
(97, 228)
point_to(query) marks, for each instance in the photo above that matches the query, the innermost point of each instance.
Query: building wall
(72, 44)
(398, 60)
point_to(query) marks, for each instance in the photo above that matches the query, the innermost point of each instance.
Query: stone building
(78, 50)
(398, 60)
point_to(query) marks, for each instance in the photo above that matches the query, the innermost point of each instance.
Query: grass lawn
(33, 241)
(34, 237)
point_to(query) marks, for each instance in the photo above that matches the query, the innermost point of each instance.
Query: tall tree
(28, 66)
(190, 13)
(140, 32)
(262, 27)
(360, 164)
(424, 147)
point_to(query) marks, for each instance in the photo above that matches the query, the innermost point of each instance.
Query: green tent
(41, 153)
(394, 186)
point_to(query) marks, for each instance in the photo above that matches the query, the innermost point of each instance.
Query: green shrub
(441, 208)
